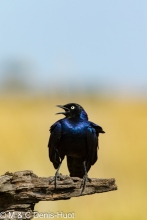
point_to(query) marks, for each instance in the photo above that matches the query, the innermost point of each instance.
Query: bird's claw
(57, 176)
(84, 180)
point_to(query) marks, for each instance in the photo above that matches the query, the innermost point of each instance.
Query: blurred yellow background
(24, 132)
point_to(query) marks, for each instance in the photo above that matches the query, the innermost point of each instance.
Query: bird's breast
(74, 130)
(73, 140)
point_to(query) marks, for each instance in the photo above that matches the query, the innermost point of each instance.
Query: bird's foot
(58, 176)
(83, 183)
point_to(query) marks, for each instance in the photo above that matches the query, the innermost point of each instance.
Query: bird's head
(73, 110)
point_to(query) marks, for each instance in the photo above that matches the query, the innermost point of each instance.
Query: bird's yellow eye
(72, 107)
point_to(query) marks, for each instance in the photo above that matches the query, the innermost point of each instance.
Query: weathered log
(20, 191)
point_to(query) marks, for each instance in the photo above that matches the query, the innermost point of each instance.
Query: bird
(75, 137)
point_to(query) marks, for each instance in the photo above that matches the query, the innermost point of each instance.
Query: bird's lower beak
(63, 107)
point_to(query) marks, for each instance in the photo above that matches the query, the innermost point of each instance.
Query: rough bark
(20, 191)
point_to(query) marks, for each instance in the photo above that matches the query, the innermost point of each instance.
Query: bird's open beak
(63, 107)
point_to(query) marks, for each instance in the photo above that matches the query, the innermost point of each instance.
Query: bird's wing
(92, 142)
(54, 139)
(97, 128)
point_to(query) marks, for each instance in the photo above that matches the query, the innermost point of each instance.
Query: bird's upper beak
(63, 107)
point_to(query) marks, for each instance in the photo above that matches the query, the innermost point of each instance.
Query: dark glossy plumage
(75, 137)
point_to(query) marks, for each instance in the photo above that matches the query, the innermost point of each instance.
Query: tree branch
(20, 191)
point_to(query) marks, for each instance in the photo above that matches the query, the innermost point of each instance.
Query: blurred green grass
(24, 132)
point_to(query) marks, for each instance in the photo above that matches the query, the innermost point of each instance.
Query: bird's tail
(75, 167)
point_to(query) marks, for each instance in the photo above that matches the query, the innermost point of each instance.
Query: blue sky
(78, 43)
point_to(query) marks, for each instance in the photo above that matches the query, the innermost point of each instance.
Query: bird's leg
(85, 178)
(56, 176)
